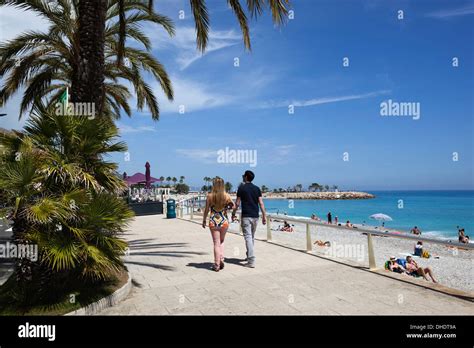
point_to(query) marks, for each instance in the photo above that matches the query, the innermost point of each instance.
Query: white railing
(308, 223)
(370, 233)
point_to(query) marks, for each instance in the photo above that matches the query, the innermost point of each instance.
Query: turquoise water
(436, 213)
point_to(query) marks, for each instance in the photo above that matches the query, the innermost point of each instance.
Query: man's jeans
(249, 226)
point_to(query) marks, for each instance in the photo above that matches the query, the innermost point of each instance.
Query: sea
(437, 213)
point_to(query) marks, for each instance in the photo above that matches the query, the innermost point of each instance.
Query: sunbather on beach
(286, 227)
(413, 268)
(321, 243)
(314, 217)
(394, 266)
(419, 249)
(416, 230)
(348, 224)
(462, 237)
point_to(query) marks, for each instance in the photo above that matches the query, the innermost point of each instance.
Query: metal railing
(372, 264)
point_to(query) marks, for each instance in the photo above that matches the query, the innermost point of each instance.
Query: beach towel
(402, 262)
(408, 254)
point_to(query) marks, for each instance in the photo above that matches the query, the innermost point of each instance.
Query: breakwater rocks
(318, 195)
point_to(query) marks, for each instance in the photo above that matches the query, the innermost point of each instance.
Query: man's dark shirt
(249, 194)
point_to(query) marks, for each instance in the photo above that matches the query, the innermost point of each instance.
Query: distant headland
(318, 195)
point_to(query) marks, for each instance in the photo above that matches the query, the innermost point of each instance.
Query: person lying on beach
(413, 268)
(321, 243)
(415, 230)
(286, 227)
(394, 266)
(314, 217)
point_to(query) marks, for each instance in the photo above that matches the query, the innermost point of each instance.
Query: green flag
(64, 98)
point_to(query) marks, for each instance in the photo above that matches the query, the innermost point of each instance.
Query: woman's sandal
(216, 267)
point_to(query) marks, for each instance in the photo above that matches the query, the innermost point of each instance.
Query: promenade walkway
(170, 263)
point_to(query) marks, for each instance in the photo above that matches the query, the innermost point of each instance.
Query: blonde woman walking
(217, 203)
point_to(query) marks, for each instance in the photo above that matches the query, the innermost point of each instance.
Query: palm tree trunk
(88, 75)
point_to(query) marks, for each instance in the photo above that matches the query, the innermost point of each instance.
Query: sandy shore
(452, 268)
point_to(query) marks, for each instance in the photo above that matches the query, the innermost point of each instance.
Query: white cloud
(284, 150)
(318, 101)
(125, 129)
(200, 155)
(194, 96)
(14, 21)
(184, 43)
(448, 13)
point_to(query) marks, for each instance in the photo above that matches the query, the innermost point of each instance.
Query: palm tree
(89, 72)
(174, 180)
(168, 179)
(228, 186)
(181, 179)
(65, 200)
(162, 178)
(48, 60)
(254, 7)
(93, 21)
(299, 187)
(264, 189)
(335, 187)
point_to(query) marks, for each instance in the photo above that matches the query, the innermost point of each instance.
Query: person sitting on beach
(286, 227)
(415, 230)
(462, 237)
(413, 269)
(321, 243)
(348, 224)
(418, 249)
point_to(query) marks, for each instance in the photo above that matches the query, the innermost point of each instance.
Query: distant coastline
(318, 195)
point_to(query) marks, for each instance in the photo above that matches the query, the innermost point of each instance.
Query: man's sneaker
(249, 265)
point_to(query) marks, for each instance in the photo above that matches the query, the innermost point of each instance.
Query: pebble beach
(452, 267)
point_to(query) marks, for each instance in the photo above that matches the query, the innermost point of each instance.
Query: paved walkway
(170, 263)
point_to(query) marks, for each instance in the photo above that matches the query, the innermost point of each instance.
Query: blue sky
(337, 108)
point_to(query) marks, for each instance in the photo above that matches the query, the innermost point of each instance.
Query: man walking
(251, 198)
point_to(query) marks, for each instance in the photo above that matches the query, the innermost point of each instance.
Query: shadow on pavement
(152, 265)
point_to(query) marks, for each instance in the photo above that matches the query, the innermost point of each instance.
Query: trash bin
(170, 209)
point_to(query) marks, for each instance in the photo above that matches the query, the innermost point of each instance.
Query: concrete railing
(369, 233)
